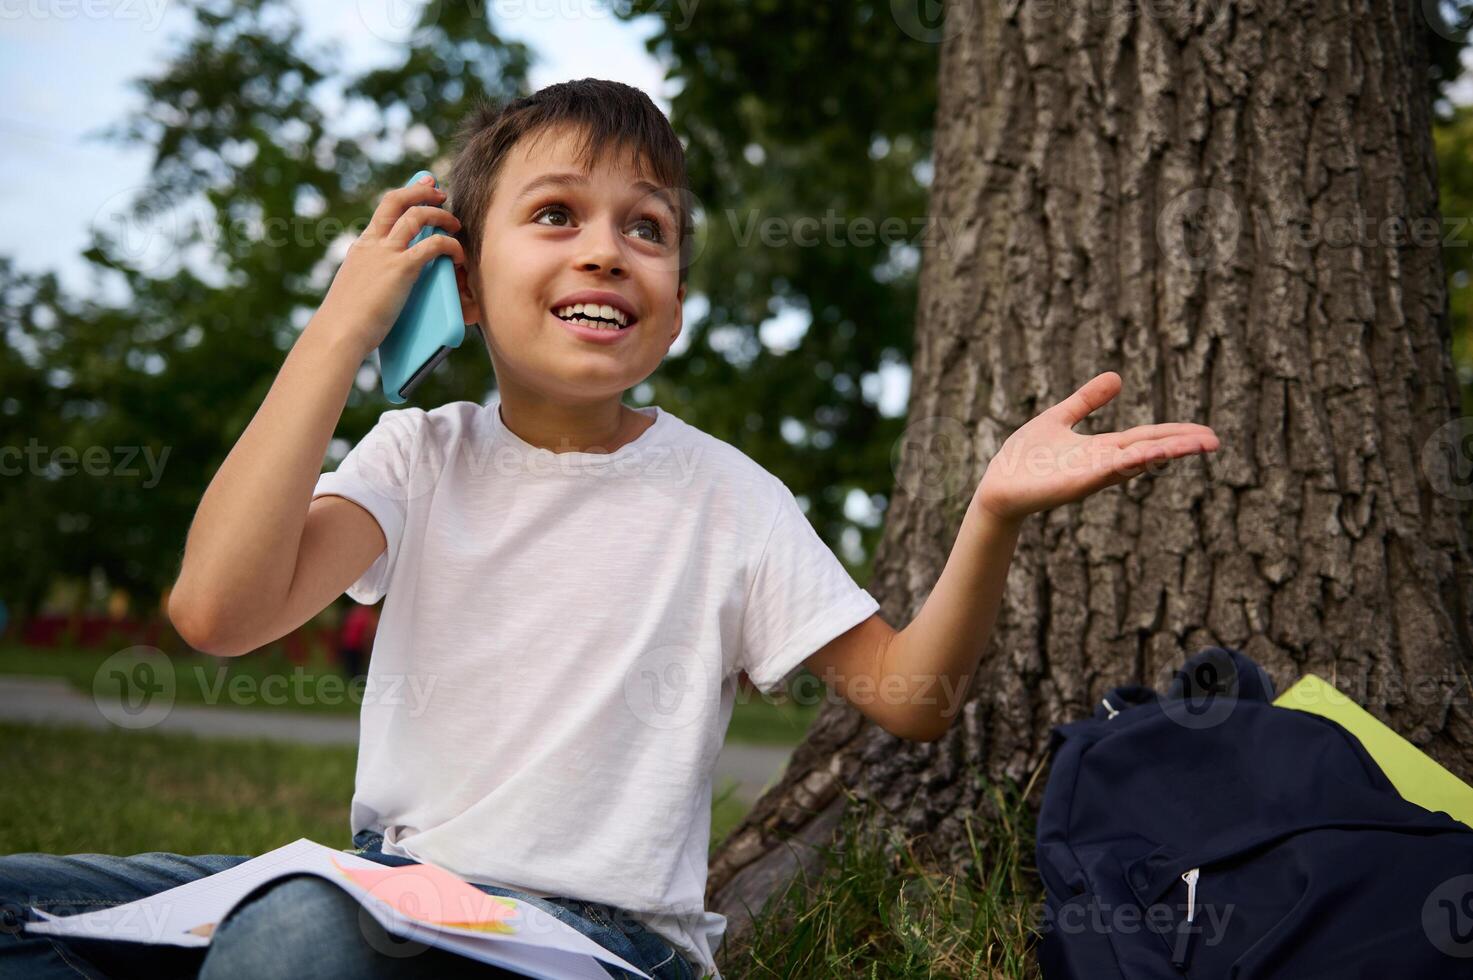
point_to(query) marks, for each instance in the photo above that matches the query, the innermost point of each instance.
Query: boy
(573, 584)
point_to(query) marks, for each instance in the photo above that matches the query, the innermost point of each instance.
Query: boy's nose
(602, 253)
(617, 271)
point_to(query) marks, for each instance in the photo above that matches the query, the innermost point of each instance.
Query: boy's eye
(551, 208)
(656, 232)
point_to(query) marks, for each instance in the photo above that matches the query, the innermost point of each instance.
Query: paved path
(54, 701)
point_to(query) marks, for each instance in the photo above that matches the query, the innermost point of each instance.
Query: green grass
(871, 911)
(874, 911)
(317, 686)
(74, 790)
(760, 720)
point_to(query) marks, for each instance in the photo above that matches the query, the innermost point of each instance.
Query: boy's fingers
(411, 222)
(1142, 455)
(1095, 392)
(1141, 432)
(436, 245)
(396, 202)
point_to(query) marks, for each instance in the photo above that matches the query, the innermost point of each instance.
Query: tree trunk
(1170, 192)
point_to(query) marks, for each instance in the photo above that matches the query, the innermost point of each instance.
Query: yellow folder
(1414, 774)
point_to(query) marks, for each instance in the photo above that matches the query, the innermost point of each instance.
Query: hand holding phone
(428, 327)
(409, 236)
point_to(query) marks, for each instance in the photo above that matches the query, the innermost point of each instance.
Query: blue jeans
(295, 926)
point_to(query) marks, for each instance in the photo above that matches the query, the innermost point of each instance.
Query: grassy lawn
(874, 911)
(870, 912)
(318, 686)
(72, 790)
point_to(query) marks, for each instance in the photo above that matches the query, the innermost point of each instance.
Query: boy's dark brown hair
(610, 116)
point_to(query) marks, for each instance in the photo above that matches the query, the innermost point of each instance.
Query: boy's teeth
(594, 310)
(595, 324)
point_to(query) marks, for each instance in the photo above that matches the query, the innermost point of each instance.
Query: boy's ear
(470, 310)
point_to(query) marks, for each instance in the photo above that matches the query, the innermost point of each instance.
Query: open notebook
(420, 902)
(1414, 774)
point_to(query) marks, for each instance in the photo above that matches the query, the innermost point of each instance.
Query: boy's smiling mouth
(596, 310)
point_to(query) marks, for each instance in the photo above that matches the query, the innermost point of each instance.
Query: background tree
(222, 256)
(1156, 191)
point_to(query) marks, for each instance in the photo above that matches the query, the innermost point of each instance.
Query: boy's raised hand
(373, 283)
(1046, 463)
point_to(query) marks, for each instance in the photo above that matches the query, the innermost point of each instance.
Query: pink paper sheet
(432, 894)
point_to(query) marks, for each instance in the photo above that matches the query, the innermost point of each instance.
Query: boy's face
(543, 244)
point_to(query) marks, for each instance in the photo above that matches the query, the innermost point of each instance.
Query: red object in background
(88, 631)
(358, 627)
(295, 646)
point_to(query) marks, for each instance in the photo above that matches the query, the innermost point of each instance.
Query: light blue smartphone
(428, 327)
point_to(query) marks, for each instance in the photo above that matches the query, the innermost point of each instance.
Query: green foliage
(1447, 32)
(801, 112)
(1454, 141)
(222, 256)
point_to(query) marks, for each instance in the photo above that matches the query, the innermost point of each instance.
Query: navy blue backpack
(1206, 833)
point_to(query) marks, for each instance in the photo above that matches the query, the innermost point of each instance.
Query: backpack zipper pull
(1182, 953)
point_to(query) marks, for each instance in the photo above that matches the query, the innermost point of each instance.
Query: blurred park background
(179, 178)
(188, 173)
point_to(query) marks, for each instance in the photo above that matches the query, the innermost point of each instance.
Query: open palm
(1046, 463)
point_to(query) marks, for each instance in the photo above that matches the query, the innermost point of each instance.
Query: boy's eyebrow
(574, 179)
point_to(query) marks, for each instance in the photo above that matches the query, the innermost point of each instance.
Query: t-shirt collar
(651, 435)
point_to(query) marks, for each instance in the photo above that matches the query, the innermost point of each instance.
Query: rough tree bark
(1170, 190)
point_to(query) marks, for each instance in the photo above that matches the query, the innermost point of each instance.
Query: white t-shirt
(556, 661)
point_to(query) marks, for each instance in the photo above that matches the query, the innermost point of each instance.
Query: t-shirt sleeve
(801, 597)
(376, 474)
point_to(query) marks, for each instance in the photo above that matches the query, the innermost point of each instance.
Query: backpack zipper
(1160, 875)
(1182, 954)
